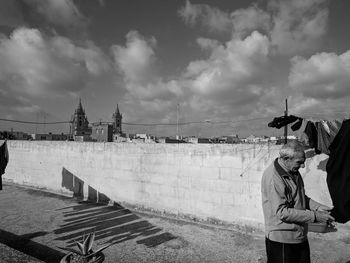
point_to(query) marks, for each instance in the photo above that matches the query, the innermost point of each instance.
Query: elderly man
(287, 209)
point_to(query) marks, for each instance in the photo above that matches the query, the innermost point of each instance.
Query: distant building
(49, 137)
(15, 135)
(198, 140)
(59, 137)
(256, 139)
(41, 137)
(230, 139)
(121, 138)
(80, 124)
(143, 137)
(102, 132)
(169, 140)
(117, 122)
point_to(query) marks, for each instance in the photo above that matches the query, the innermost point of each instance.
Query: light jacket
(287, 209)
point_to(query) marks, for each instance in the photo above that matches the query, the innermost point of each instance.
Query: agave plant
(85, 254)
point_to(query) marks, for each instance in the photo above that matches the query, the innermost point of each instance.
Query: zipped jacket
(287, 209)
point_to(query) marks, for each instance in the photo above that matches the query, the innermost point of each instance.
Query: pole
(177, 121)
(44, 123)
(286, 127)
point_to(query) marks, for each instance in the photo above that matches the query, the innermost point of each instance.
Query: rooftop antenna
(36, 123)
(286, 127)
(44, 123)
(177, 121)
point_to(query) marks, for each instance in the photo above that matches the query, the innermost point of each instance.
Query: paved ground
(34, 225)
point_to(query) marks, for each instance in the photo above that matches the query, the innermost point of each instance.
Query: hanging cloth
(334, 127)
(323, 137)
(296, 126)
(279, 122)
(311, 132)
(338, 173)
(4, 158)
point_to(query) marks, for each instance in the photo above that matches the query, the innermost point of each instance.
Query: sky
(186, 67)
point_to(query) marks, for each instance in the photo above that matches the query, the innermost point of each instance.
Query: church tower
(117, 121)
(79, 122)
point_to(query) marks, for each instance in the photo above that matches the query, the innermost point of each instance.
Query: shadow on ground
(113, 224)
(24, 244)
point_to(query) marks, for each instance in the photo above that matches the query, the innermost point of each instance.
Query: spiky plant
(85, 253)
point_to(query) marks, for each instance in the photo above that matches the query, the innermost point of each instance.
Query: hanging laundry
(311, 132)
(4, 158)
(301, 135)
(323, 137)
(279, 122)
(338, 173)
(325, 126)
(296, 126)
(334, 127)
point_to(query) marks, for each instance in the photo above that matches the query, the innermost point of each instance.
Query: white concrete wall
(209, 182)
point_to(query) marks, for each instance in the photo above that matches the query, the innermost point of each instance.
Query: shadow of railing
(24, 244)
(112, 224)
(76, 186)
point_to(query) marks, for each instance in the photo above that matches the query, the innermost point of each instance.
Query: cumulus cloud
(232, 78)
(292, 26)
(137, 58)
(138, 65)
(323, 75)
(246, 20)
(37, 65)
(232, 69)
(210, 17)
(298, 25)
(61, 16)
(58, 12)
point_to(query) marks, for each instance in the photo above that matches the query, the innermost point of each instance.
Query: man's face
(295, 163)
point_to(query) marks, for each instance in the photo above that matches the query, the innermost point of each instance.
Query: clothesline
(317, 133)
(331, 137)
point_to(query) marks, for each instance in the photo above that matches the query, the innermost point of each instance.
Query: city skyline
(222, 67)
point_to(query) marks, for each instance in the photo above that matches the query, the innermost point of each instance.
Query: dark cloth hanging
(296, 126)
(323, 138)
(338, 173)
(279, 122)
(311, 132)
(4, 158)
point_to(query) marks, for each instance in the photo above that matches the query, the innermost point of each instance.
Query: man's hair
(290, 149)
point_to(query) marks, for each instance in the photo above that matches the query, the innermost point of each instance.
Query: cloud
(61, 16)
(323, 75)
(36, 65)
(13, 106)
(246, 20)
(137, 63)
(58, 12)
(298, 25)
(135, 60)
(232, 69)
(233, 78)
(292, 26)
(230, 81)
(212, 18)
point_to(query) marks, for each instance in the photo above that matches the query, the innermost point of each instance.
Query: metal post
(286, 127)
(177, 121)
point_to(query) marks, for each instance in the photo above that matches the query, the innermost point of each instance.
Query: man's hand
(323, 217)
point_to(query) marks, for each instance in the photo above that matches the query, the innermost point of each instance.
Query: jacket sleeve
(283, 209)
(312, 204)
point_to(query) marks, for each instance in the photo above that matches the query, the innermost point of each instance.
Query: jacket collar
(280, 170)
